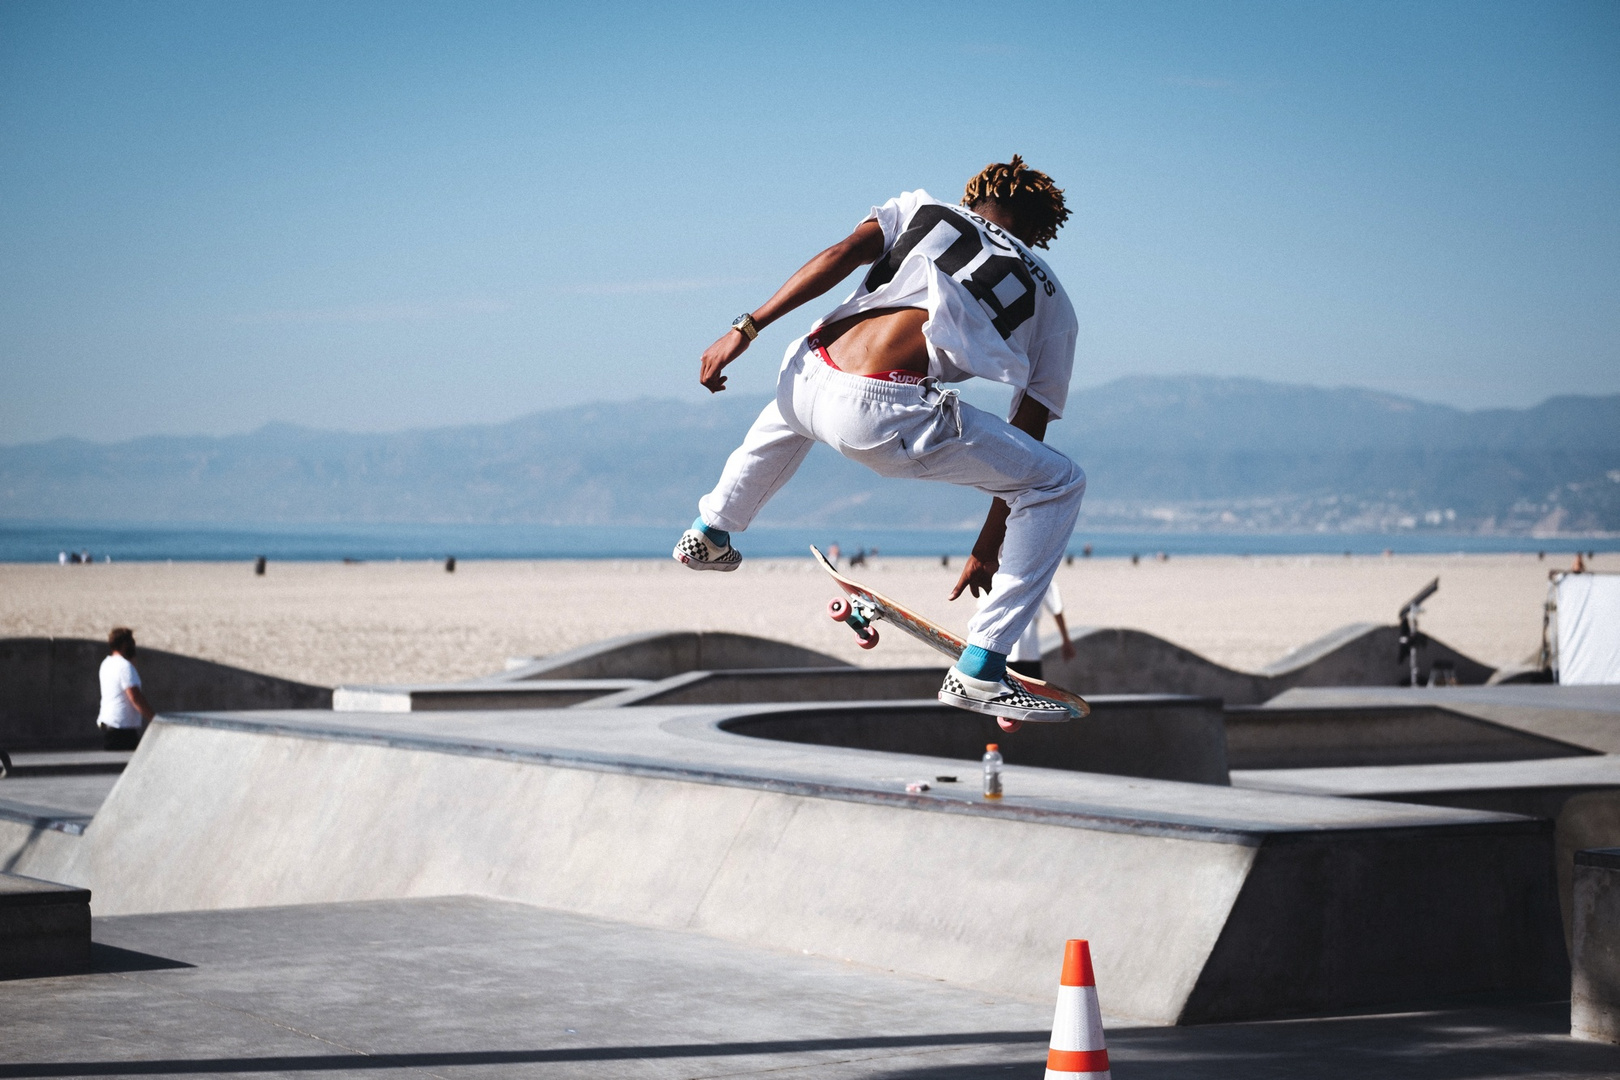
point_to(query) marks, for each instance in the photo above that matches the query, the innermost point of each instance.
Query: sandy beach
(329, 623)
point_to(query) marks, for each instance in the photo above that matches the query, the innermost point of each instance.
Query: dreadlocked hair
(1035, 201)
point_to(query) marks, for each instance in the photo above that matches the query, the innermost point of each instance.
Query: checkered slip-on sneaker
(998, 699)
(699, 552)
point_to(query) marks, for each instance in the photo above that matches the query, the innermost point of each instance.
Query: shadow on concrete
(1527, 1040)
(109, 960)
(1461, 1044)
(345, 1062)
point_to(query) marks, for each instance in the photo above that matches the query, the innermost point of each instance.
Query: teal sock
(982, 663)
(719, 537)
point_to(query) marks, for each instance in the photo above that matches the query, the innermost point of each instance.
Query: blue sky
(375, 216)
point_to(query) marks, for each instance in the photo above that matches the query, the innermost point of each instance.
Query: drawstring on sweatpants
(950, 401)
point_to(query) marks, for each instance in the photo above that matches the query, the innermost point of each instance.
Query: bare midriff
(875, 342)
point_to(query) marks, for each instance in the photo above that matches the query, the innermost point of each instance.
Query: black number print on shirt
(1002, 283)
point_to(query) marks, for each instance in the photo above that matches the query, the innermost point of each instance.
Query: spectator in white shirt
(125, 711)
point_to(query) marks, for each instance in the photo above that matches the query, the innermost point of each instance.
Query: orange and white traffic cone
(1078, 1051)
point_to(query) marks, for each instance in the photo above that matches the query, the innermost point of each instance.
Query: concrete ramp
(1121, 661)
(661, 654)
(1202, 902)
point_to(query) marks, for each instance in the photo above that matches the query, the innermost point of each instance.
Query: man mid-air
(953, 292)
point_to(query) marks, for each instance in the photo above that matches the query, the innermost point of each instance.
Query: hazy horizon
(981, 394)
(381, 217)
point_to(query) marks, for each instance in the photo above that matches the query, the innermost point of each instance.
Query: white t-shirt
(995, 310)
(118, 675)
(1028, 646)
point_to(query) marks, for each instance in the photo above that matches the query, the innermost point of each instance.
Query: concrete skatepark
(1328, 850)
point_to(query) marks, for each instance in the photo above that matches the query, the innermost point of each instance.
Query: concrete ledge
(67, 762)
(1583, 716)
(1536, 788)
(447, 697)
(44, 928)
(1163, 737)
(1277, 736)
(1594, 1008)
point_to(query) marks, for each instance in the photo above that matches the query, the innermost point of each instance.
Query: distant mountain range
(1176, 453)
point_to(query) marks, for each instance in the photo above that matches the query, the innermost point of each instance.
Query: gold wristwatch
(744, 325)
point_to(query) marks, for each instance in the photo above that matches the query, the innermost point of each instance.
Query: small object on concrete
(916, 787)
(1594, 1005)
(992, 770)
(258, 566)
(944, 779)
(450, 565)
(1077, 1051)
(44, 927)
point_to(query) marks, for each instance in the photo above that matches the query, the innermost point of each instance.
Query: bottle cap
(990, 747)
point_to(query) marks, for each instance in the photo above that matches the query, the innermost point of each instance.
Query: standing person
(125, 711)
(953, 292)
(1025, 657)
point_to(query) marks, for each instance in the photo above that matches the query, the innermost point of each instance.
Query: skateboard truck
(859, 617)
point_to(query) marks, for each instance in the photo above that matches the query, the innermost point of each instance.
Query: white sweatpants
(921, 431)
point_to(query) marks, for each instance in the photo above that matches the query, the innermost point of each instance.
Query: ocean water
(34, 542)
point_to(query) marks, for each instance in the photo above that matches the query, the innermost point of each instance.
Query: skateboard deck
(865, 607)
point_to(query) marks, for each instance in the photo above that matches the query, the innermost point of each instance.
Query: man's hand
(976, 575)
(715, 358)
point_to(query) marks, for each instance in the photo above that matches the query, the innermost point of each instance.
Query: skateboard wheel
(869, 641)
(1008, 724)
(838, 610)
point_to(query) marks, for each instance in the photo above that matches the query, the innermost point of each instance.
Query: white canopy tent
(1588, 628)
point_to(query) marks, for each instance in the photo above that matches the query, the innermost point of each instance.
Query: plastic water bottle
(992, 771)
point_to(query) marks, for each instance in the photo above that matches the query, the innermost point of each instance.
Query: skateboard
(860, 608)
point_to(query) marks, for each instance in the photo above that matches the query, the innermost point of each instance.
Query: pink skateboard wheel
(1008, 725)
(869, 641)
(838, 610)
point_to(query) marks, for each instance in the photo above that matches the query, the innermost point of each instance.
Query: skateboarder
(953, 292)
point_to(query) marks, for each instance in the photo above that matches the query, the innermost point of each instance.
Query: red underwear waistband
(897, 375)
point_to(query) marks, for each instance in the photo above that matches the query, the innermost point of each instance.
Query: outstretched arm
(815, 277)
(1031, 418)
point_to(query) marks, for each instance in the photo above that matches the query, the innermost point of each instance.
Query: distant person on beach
(954, 292)
(125, 711)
